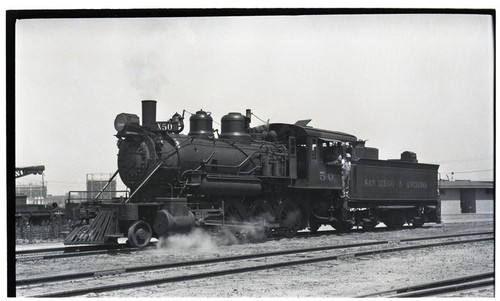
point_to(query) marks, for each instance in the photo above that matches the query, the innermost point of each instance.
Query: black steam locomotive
(281, 177)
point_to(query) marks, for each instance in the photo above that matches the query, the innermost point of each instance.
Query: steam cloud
(206, 242)
(199, 240)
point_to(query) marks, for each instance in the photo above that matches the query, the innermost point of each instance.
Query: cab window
(314, 148)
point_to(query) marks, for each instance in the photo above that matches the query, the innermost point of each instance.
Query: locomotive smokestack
(148, 112)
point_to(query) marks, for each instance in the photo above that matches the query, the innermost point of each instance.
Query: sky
(417, 82)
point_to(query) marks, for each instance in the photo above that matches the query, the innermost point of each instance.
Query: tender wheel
(139, 234)
(369, 227)
(313, 227)
(290, 218)
(342, 226)
(288, 232)
(418, 220)
(261, 209)
(417, 223)
(395, 221)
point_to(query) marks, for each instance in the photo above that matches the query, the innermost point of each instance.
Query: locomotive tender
(283, 177)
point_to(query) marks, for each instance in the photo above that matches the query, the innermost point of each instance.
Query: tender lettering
(369, 183)
(399, 184)
(379, 183)
(323, 176)
(386, 183)
(383, 183)
(416, 185)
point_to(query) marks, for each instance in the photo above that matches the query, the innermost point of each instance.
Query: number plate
(167, 126)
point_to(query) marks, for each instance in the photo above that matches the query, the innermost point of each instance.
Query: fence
(57, 226)
(26, 232)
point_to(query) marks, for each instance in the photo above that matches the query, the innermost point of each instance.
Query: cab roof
(285, 130)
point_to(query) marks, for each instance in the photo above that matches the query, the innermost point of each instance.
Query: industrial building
(35, 193)
(466, 196)
(30, 194)
(96, 182)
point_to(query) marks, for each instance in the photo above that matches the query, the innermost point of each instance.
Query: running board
(242, 225)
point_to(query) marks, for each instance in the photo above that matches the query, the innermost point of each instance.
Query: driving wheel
(290, 218)
(235, 211)
(262, 210)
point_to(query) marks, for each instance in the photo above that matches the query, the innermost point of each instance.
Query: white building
(465, 196)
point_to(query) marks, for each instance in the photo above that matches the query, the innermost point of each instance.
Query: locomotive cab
(316, 152)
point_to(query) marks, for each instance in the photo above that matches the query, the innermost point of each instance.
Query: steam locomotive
(280, 177)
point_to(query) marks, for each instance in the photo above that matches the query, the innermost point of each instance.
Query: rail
(236, 270)
(438, 287)
(224, 272)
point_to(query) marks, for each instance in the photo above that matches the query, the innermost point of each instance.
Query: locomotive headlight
(124, 120)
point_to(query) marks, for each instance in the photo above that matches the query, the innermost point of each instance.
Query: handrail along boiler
(286, 177)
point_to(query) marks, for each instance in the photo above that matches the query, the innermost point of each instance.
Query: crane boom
(30, 170)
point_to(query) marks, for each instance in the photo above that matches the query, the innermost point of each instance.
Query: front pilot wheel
(139, 234)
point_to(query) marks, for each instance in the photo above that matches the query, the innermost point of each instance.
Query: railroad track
(225, 271)
(67, 249)
(438, 287)
(84, 250)
(88, 250)
(64, 252)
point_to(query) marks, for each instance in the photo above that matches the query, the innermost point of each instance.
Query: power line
(471, 171)
(260, 118)
(461, 160)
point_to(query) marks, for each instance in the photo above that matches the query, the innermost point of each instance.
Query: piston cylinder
(165, 223)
